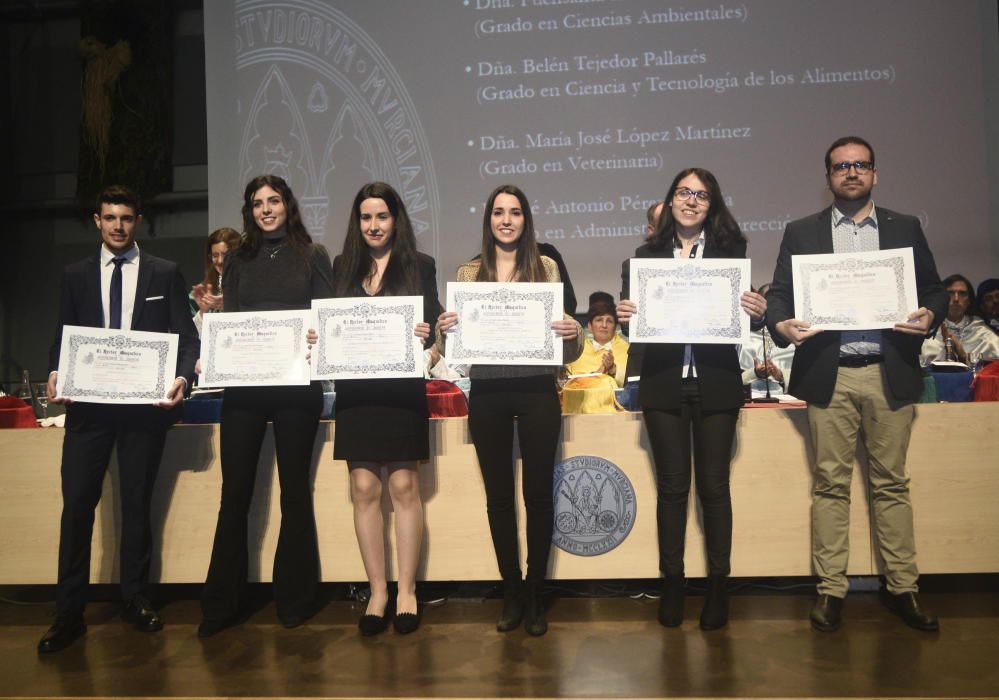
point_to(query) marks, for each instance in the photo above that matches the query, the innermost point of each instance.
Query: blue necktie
(116, 293)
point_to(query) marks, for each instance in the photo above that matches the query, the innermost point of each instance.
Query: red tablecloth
(15, 413)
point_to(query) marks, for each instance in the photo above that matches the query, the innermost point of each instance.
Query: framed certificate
(255, 348)
(689, 300)
(504, 323)
(855, 291)
(367, 338)
(101, 365)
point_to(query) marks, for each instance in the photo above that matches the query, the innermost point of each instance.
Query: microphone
(768, 398)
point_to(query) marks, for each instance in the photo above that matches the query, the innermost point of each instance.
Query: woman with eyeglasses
(692, 390)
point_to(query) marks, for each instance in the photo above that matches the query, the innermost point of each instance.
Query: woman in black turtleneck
(276, 268)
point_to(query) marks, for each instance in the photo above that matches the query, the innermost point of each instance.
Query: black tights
(670, 438)
(493, 405)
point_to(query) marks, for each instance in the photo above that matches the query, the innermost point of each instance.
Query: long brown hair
(296, 233)
(401, 275)
(720, 229)
(528, 266)
(232, 239)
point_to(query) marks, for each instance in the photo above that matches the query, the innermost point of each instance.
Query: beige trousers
(859, 407)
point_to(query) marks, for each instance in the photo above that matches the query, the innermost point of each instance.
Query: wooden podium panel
(952, 461)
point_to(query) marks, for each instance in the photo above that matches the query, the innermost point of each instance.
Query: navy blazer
(816, 361)
(161, 306)
(718, 372)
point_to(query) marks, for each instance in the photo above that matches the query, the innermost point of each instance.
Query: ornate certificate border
(459, 353)
(895, 264)
(76, 338)
(213, 376)
(325, 367)
(645, 331)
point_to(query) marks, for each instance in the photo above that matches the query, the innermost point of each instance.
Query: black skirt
(381, 420)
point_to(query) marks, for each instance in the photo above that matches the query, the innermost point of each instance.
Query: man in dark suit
(858, 383)
(119, 287)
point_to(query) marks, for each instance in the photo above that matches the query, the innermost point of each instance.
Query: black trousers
(92, 431)
(294, 411)
(493, 406)
(670, 436)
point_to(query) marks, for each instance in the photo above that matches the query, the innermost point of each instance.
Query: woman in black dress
(385, 422)
(692, 387)
(277, 267)
(506, 395)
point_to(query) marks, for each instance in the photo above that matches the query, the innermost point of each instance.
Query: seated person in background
(988, 302)
(606, 352)
(436, 367)
(652, 216)
(776, 371)
(635, 350)
(969, 335)
(206, 296)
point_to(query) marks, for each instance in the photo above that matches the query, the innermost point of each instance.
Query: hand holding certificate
(689, 300)
(504, 323)
(855, 291)
(255, 348)
(367, 338)
(100, 365)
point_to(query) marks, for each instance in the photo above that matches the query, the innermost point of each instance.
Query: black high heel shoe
(405, 623)
(370, 625)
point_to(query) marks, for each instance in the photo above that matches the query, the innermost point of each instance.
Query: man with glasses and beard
(858, 383)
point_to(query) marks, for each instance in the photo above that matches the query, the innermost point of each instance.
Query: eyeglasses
(700, 195)
(861, 166)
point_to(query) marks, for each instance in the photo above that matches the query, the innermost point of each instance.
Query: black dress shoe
(405, 623)
(61, 634)
(827, 613)
(715, 613)
(906, 606)
(513, 606)
(370, 625)
(671, 601)
(141, 613)
(534, 609)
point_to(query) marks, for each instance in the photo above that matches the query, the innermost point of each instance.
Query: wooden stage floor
(596, 648)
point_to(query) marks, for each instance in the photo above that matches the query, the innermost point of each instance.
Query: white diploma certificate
(255, 348)
(855, 291)
(504, 323)
(367, 338)
(689, 300)
(103, 365)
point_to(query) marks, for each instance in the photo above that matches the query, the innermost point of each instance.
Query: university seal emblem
(327, 97)
(594, 506)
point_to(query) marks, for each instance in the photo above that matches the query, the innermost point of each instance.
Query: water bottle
(24, 391)
(949, 353)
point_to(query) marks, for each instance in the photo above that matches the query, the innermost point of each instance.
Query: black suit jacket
(428, 288)
(161, 306)
(718, 371)
(816, 361)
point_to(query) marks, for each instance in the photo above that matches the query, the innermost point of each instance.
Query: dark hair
(401, 276)
(232, 239)
(600, 307)
(529, 267)
(650, 214)
(119, 194)
(601, 296)
(297, 235)
(846, 141)
(720, 229)
(972, 305)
